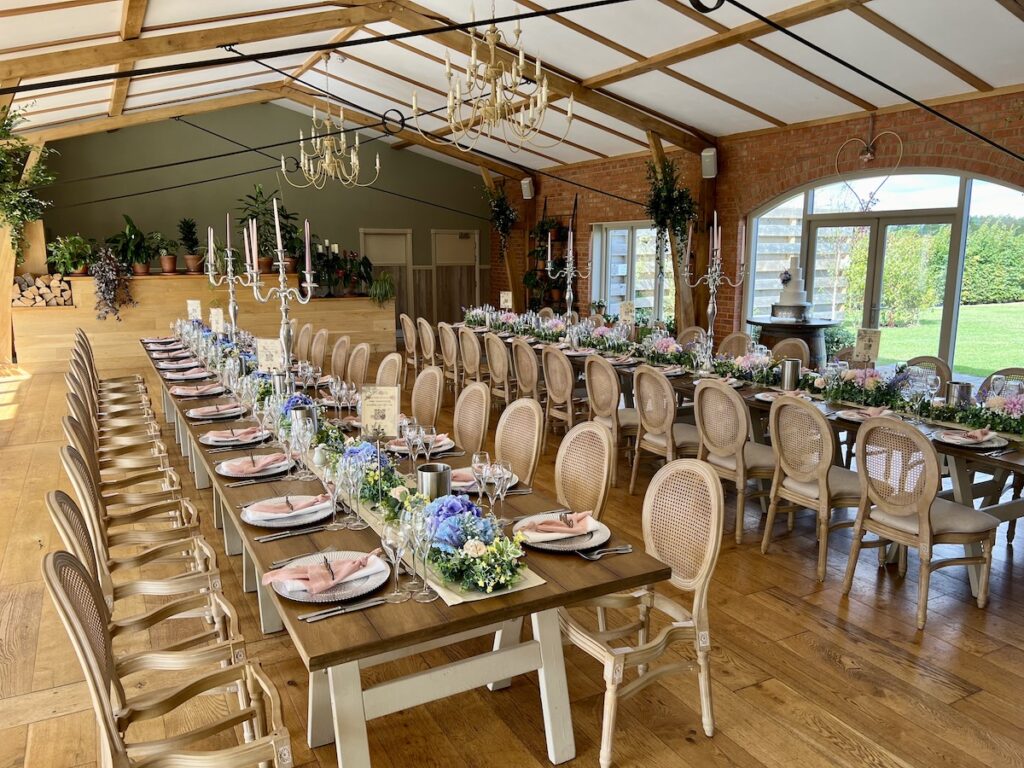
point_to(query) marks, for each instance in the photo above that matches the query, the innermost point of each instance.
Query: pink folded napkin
(878, 410)
(287, 506)
(254, 465)
(192, 391)
(577, 524)
(183, 374)
(235, 434)
(172, 355)
(214, 410)
(978, 435)
(171, 364)
(400, 442)
(320, 577)
(463, 477)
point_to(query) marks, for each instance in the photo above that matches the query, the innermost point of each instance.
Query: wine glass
(354, 476)
(505, 476)
(424, 540)
(408, 430)
(315, 372)
(412, 519)
(393, 538)
(481, 460)
(429, 440)
(492, 480)
(931, 383)
(334, 472)
(996, 384)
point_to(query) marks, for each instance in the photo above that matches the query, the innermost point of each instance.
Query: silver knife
(289, 534)
(338, 610)
(242, 483)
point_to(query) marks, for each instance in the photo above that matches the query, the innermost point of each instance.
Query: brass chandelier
(326, 156)
(495, 100)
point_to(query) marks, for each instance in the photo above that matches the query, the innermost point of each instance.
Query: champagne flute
(393, 540)
(412, 518)
(996, 384)
(481, 460)
(429, 441)
(333, 473)
(505, 475)
(355, 483)
(425, 539)
(491, 481)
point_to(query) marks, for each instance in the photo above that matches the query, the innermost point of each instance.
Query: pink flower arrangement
(1012, 405)
(508, 318)
(867, 378)
(554, 325)
(667, 346)
(600, 333)
(750, 362)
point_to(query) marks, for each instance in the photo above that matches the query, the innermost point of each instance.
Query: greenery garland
(668, 205)
(503, 216)
(19, 203)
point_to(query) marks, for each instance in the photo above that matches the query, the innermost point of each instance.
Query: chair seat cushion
(628, 419)
(841, 482)
(682, 434)
(946, 517)
(755, 456)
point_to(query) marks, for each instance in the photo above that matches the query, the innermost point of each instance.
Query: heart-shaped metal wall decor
(867, 154)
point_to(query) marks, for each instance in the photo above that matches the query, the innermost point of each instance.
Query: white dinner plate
(172, 376)
(208, 439)
(471, 485)
(344, 591)
(274, 469)
(571, 544)
(949, 437)
(174, 365)
(445, 445)
(859, 416)
(771, 397)
(218, 390)
(227, 413)
(294, 520)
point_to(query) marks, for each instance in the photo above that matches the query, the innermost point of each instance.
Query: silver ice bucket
(434, 480)
(958, 393)
(790, 374)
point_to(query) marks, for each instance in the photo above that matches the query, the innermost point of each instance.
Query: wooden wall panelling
(456, 288)
(423, 292)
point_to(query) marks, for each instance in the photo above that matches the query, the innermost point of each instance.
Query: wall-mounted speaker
(527, 184)
(709, 163)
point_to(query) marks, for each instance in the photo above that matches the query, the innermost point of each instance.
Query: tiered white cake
(792, 303)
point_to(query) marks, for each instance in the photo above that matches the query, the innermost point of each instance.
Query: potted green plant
(668, 205)
(503, 216)
(113, 284)
(189, 239)
(19, 199)
(259, 206)
(382, 289)
(597, 307)
(166, 249)
(70, 255)
(355, 274)
(130, 247)
(292, 240)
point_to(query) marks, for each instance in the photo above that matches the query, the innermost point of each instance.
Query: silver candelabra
(714, 278)
(283, 292)
(570, 272)
(216, 280)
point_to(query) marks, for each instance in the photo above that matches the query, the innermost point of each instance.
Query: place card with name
(194, 307)
(381, 407)
(505, 299)
(868, 342)
(268, 354)
(217, 320)
(627, 312)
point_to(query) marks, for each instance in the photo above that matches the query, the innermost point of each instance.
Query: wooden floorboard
(801, 675)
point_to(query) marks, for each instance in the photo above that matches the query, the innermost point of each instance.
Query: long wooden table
(335, 650)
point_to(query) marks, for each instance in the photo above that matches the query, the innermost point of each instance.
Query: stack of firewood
(43, 291)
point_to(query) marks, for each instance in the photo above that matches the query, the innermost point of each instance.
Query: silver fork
(284, 561)
(597, 554)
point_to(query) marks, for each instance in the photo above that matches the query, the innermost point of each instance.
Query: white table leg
(554, 690)
(232, 541)
(510, 634)
(270, 619)
(218, 511)
(349, 716)
(963, 493)
(250, 579)
(202, 477)
(320, 725)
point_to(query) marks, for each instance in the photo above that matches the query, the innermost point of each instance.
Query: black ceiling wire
(281, 52)
(877, 81)
(225, 138)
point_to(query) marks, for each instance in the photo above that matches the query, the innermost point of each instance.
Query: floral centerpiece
(400, 500)
(294, 402)
(470, 550)
(507, 321)
(760, 369)
(552, 330)
(665, 350)
(867, 386)
(380, 475)
(606, 339)
(474, 317)
(1003, 414)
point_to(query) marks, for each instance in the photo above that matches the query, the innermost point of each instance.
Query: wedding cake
(792, 303)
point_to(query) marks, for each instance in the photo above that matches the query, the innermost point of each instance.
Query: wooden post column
(513, 275)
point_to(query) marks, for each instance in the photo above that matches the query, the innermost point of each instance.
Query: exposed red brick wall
(756, 169)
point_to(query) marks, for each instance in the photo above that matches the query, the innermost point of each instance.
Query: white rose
(819, 383)
(871, 384)
(995, 403)
(849, 374)
(399, 493)
(474, 548)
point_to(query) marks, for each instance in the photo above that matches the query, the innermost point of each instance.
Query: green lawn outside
(990, 337)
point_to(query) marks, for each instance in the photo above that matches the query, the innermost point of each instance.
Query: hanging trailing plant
(503, 216)
(113, 289)
(19, 203)
(669, 206)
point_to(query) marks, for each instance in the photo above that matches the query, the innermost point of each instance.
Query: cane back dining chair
(318, 348)
(796, 348)
(658, 432)
(1017, 478)
(472, 414)
(694, 334)
(682, 527)
(409, 340)
(603, 395)
(899, 482)
(527, 371)
(428, 344)
(358, 362)
(935, 365)
(85, 617)
(450, 356)
(804, 447)
(518, 437)
(302, 344)
(339, 357)
(559, 384)
(499, 367)
(389, 372)
(583, 468)
(735, 344)
(471, 354)
(427, 392)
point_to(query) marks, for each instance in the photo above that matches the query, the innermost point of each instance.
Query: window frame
(600, 241)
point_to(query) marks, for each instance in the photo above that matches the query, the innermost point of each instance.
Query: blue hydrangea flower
(293, 401)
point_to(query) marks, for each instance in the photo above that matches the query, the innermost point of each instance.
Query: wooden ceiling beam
(898, 33)
(176, 43)
(563, 84)
(304, 96)
(799, 14)
(133, 12)
(143, 116)
(772, 56)
(341, 37)
(1016, 7)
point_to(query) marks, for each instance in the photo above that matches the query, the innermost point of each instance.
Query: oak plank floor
(801, 676)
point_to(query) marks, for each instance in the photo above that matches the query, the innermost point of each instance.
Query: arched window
(936, 261)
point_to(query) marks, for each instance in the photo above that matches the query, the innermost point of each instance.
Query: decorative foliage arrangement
(867, 386)
(1003, 414)
(131, 245)
(380, 477)
(503, 216)
(382, 289)
(19, 203)
(188, 236)
(668, 205)
(260, 206)
(113, 285)
(69, 254)
(470, 550)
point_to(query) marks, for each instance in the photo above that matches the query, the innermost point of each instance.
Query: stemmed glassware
(996, 384)
(333, 477)
(503, 476)
(425, 529)
(491, 478)
(932, 382)
(413, 519)
(481, 460)
(393, 538)
(302, 440)
(355, 471)
(408, 428)
(428, 435)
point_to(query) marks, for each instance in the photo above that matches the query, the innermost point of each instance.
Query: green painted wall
(335, 212)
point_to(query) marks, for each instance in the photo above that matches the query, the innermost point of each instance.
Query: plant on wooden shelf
(164, 248)
(113, 289)
(188, 236)
(503, 216)
(260, 207)
(131, 247)
(19, 201)
(70, 255)
(382, 289)
(668, 205)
